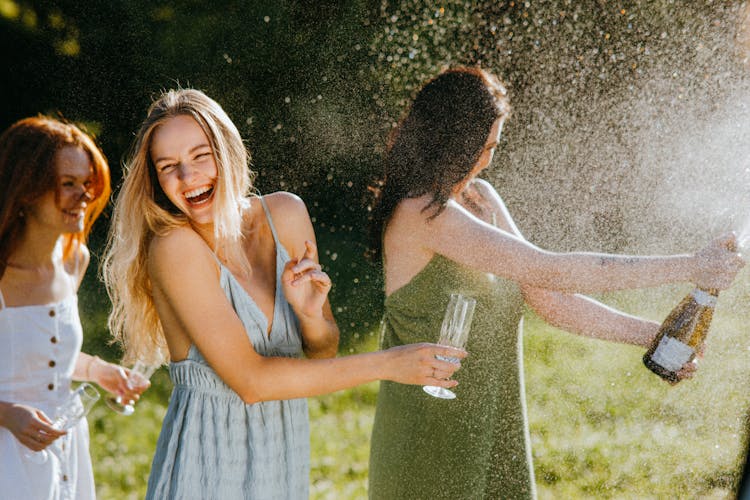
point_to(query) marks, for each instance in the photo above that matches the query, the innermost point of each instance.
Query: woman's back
(475, 446)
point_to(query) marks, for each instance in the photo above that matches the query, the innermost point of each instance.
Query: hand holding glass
(454, 332)
(76, 406)
(139, 376)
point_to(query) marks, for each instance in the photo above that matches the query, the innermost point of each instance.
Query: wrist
(648, 334)
(694, 268)
(93, 367)
(381, 364)
(315, 316)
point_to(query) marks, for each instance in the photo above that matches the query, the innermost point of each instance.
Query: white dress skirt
(39, 345)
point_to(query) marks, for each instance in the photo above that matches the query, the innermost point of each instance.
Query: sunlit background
(630, 132)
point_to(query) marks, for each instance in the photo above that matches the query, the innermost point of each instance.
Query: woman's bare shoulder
(286, 204)
(414, 207)
(291, 219)
(180, 244)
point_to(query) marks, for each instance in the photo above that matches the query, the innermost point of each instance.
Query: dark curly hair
(437, 143)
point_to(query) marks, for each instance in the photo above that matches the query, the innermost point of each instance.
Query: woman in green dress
(440, 230)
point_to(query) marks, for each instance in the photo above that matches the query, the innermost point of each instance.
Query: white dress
(39, 345)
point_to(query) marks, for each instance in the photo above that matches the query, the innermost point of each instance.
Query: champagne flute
(140, 373)
(76, 406)
(454, 332)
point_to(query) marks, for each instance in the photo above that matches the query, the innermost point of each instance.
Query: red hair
(27, 172)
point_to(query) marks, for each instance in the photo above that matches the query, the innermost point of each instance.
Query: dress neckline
(48, 305)
(268, 326)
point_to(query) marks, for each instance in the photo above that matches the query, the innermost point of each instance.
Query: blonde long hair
(142, 210)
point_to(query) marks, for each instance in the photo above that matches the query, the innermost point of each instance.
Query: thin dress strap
(2, 300)
(270, 221)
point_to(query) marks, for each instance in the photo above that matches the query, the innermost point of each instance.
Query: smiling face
(63, 209)
(185, 167)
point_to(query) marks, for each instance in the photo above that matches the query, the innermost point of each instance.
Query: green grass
(602, 425)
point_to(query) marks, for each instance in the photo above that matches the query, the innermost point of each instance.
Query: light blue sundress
(214, 446)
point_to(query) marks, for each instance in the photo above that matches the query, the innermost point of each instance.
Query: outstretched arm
(588, 317)
(191, 304)
(571, 312)
(109, 376)
(461, 236)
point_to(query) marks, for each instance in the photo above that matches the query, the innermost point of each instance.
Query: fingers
(687, 371)
(309, 258)
(41, 424)
(728, 241)
(720, 263)
(317, 277)
(304, 266)
(306, 269)
(442, 363)
(39, 436)
(42, 417)
(117, 379)
(311, 251)
(450, 352)
(136, 386)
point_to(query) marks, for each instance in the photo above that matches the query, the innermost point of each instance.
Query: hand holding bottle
(682, 336)
(718, 263)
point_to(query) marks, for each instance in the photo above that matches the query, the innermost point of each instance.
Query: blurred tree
(315, 88)
(289, 74)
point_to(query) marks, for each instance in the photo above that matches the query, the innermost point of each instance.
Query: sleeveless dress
(214, 446)
(475, 446)
(40, 346)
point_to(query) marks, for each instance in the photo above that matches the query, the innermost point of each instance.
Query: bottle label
(671, 354)
(704, 298)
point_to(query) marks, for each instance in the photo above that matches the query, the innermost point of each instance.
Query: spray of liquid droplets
(630, 133)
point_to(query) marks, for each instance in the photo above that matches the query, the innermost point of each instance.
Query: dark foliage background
(315, 88)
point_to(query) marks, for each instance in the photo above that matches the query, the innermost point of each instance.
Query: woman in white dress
(54, 182)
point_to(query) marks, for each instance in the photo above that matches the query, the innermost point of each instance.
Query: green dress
(477, 445)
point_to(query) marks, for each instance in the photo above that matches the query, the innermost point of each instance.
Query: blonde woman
(54, 183)
(229, 285)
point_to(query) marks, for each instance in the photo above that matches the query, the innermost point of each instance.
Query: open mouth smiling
(199, 196)
(75, 213)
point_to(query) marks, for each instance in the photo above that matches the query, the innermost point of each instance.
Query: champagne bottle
(681, 334)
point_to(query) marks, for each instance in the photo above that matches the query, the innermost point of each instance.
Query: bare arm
(572, 312)
(109, 376)
(499, 251)
(191, 303)
(305, 285)
(585, 316)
